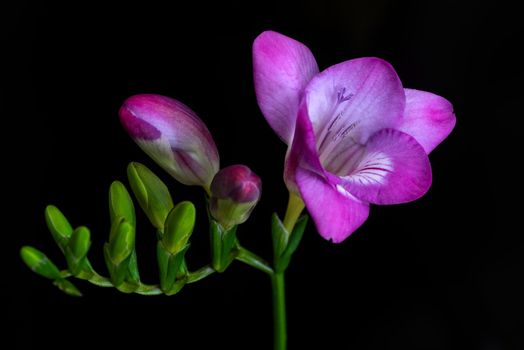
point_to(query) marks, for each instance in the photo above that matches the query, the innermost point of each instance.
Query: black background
(442, 273)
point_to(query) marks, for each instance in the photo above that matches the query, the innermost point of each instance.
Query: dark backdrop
(442, 273)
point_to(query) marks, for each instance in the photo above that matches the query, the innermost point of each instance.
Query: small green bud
(120, 203)
(152, 194)
(39, 263)
(58, 225)
(77, 249)
(179, 226)
(123, 241)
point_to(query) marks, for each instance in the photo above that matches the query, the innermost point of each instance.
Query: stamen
(340, 95)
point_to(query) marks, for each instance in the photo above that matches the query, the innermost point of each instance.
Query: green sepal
(152, 194)
(39, 263)
(179, 226)
(121, 240)
(294, 240)
(60, 228)
(177, 287)
(134, 275)
(223, 242)
(117, 272)
(169, 265)
(279, 234)
(120, 203)
(67, 287)
(76, 250)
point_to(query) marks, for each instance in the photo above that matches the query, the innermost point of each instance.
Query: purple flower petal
(302, 152)
(394, 168)
(282, 68)
(336, 213)
(428, 118)
(350, 101)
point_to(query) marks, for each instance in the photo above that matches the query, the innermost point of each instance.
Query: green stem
(143, 289)
(253, 260)
(295, 207)
(199, 274)
(279, 311)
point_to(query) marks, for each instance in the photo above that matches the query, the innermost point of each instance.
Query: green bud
(120, 203)
(39, 263)
(179, 226)
(152, 194)
(77, 249)
(58, 226)
(123, 241)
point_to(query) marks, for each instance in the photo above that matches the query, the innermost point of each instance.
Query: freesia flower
(173, 135)
(355, 136)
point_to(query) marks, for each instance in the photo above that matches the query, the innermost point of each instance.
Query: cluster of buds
(175, 137)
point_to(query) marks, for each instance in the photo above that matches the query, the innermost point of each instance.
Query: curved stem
(253, 260)
(279, 311)
(143, 289)
(199, 274)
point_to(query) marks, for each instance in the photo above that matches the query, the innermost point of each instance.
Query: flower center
(338, 151)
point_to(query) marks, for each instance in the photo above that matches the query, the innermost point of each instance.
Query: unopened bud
(235, 191)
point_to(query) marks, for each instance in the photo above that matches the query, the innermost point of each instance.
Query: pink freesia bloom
(355, 136)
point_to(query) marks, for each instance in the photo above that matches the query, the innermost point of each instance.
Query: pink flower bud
(235, 191)
(173, 135)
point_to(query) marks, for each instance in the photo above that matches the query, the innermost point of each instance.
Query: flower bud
(152, 194)
(235, 191)
(179, 227)
(58, 226)
(39, 262)
(77, 249)
(173, 135)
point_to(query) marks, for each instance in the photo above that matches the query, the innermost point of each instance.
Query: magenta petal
(393, 169)
(428, 118)
(282, 68)
(352, 100)
(302, 152)
(336, 213)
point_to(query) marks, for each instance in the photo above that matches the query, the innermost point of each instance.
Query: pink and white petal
(302, 152)
(429, 118)
(353, 100)
(336, 213)
(282, 68)
(393, 169)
